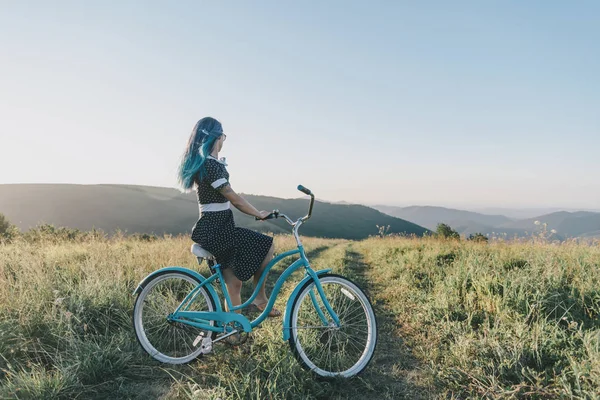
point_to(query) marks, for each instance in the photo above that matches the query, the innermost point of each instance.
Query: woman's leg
(262, 298)
(234, 287)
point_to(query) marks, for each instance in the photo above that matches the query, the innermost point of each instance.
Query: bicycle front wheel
(318, 343)
(167, 341)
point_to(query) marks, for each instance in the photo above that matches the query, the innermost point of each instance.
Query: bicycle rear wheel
(167, 341)
(323, 347)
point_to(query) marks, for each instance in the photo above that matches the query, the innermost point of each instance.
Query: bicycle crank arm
(206, 343)
(233, 332)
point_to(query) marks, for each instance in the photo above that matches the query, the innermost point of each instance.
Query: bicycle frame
(319, 340)
(202, 319)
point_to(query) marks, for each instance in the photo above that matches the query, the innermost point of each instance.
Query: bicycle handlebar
(312, 201)
(276, 214)
(304, 190)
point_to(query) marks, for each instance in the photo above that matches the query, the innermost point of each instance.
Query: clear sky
(454, 103)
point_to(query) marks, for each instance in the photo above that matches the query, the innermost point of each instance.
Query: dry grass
(456, 320)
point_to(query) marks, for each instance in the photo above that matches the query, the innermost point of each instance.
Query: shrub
(144, 237)
(7, 230)
(446, 259)
(445, 231)
(478, 237)
(50, 233)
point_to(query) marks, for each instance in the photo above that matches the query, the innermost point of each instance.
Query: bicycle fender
(210, 288)
(287, 316)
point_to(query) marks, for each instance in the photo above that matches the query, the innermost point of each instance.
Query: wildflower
(59, 301)
(537, 222)
(553, 231)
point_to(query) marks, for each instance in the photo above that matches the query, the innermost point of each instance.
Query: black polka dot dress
(240, 249)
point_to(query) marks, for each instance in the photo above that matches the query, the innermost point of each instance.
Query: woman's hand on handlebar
(262, 215)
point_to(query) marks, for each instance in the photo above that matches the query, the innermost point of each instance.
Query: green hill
(158, 210)
(581, 225)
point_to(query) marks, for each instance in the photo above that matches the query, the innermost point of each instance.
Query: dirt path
(393, 373)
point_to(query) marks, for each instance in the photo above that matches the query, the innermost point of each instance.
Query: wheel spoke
(312, 327)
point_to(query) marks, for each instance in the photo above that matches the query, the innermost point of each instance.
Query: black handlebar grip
(304, 190)
(273, 215)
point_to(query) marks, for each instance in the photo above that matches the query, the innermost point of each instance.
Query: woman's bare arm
(240, 203)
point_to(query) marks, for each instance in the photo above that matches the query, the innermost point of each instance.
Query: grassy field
(456, 320)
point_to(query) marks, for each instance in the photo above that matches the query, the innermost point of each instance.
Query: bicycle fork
(313, 298)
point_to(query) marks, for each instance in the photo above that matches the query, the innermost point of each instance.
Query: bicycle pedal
(206, 346)
(198, 339)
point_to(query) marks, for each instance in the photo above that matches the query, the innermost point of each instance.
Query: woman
(241, 252)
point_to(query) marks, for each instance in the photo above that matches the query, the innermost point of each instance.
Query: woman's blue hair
(202, 140)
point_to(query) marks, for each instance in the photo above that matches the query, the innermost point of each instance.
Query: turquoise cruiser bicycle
(328, 321)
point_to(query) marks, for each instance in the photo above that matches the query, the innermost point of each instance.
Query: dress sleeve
(216, 175)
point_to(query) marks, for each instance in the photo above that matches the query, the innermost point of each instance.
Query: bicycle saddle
(200, 252)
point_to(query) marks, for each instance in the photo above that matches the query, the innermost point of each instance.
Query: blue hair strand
(202, 140)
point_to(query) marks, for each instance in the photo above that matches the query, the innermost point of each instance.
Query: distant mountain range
(159, 210)
(429, 216)
(524, 213)
(567, 224)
